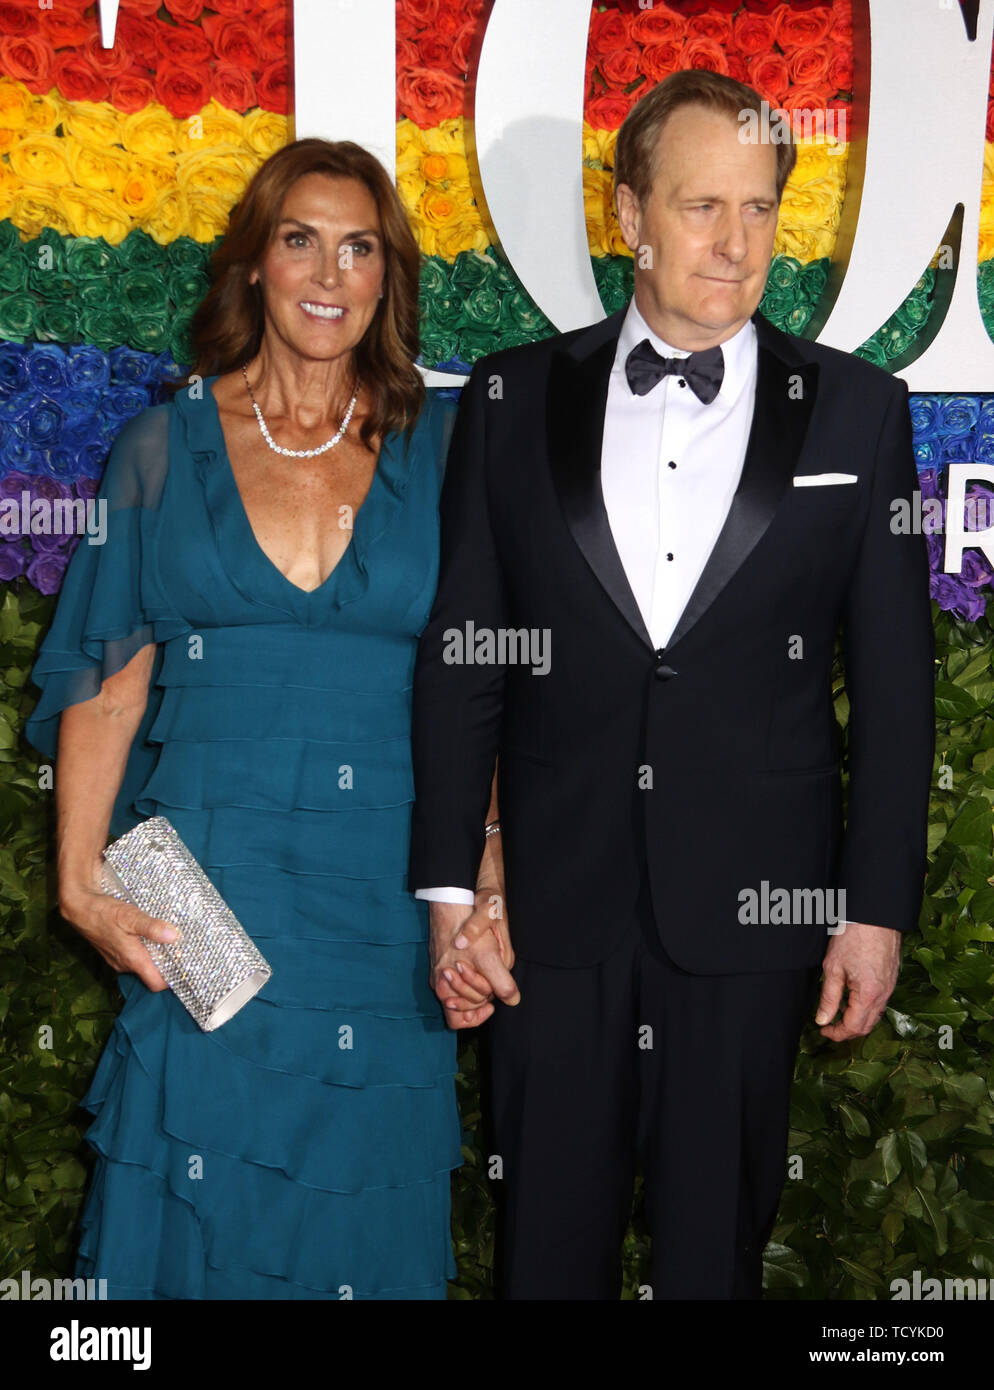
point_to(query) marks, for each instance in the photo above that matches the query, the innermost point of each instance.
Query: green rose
(186, 254)
(913, 313)
(49, 246)
(17, 317)
(13, 273)
(143, 292)
(481, 307)
(434, 277)
(149, 333)
(523, 316)
(180, 342)
(443, 311)
(139, 252)
(872, 351)
(776, 304)
(797, 319)
(615, 277)
(93, 293)
(503, 271)
(470, 271)
(783, 273)
(89, 258)
(104, 327)
(57, 323)
(52, 286)
(476, 342)
(438, 345)
(10, 242)
(187, 287)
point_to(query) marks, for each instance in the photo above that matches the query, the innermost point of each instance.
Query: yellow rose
(169, 218)
(804, 245)
(105, 170)
(465, 232)
(15, 103)
(207, 214)
(46, 112)
(591, 144)
(596, 188)
(225, 176)
(41, 159)
(93, 213)
(33, 208)
(142, 185)
(8, 139)
(410, 188)
(93, 123)
(265, 132)
(985, 249)
(10, 188)
(212, 128)
(150, 133)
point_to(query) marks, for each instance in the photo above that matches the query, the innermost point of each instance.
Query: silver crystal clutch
(215, 967)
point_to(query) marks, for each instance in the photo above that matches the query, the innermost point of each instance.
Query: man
(687, 504)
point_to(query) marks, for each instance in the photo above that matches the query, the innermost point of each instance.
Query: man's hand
(865, 960)
(466, 976)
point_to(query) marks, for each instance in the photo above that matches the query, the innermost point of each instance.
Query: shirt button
(671, 464)
(682, 382)
(669, 555)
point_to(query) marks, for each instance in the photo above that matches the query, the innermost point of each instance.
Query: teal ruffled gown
(303, 1150)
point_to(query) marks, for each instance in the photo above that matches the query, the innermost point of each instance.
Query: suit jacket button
(663, 673)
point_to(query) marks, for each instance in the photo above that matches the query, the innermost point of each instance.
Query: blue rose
(926, 454)
(87, 368)
(924, 416)
(958, 448)
(13, 376)
(46, 369)
(45, 421)
(959, 414)
(90, 459)
(131, 368)
(120, 404)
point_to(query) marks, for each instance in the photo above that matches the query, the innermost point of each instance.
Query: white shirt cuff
(447, 895)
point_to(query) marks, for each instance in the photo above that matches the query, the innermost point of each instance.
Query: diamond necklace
(300, 453)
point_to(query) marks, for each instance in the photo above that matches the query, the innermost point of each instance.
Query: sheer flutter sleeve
(112, 603)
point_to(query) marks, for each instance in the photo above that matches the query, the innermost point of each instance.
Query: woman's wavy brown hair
(228, 325)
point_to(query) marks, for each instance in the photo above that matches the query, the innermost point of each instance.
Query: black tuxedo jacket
(712, 765)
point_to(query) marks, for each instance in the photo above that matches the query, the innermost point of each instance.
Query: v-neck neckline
(246, 523)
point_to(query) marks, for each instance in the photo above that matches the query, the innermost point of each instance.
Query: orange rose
(620, 68)
(27, 60)
(658, 25)
(233, 87)
(462, 45)
(183, 43)
(433, 52)
(147, 9)
(130, 92)
(185, 9)
(753, 33)
(717, 27)
(608, 32)
(182, 93)
(18, 23)
(77, 79)
(738, 67)
(64, 30)
(271, 29)
(428, 97)
(839, 75)
(813, 98)
(233, 40)
(273, 87)
(704, 53)
(801, 28)
(658, 60)
(607, 112)
(768, 74)
(808, 66)
(109, 62)
(414, 16)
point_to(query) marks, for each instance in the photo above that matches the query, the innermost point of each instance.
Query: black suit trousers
(634, 1061)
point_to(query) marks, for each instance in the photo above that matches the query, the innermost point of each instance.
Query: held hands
(115, 928)
(865, 960)
(471, 958)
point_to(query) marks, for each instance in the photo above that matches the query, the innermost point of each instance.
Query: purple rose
(46, 569)
(12, 483)
(975, 569)
(47, 544)
(13, 558)
(86, 487)
(952, 596)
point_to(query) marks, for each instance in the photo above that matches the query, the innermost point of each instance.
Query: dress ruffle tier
(304, 1148)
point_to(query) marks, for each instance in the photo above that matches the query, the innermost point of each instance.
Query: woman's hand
(115, 928)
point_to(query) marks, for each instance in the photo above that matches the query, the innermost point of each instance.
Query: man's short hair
(637, 147)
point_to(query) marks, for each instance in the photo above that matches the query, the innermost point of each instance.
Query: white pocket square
(823, 479)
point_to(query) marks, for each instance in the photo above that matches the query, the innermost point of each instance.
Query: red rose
(453, 14)
(990, 120)
(415, 15)
(182, 93)
(462, 47)
(18, 23)
(839, 75)
(184, 9)
(802, 28)
(236, 8)
(703, 53)
(64, 29)
(138, 37)
(813, 98)
(77, 79)
(762, 6)
(620, 68)
(717, 27)
(658, 25)
(271, 29)
(768, 74)
(147, 9)
(658, 60)
(808, 66)
(131, 92)
(738, 67)
(428, 97)
(842, 27)
(27, 60)
(433, 52)
(753, 33)
(109, 61)
(233, 87)
(233, 40)
(608, 111)
(692, 8)
(608, 31)
(183, 43)
(273, 87)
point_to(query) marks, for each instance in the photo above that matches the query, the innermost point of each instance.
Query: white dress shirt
(669, 468)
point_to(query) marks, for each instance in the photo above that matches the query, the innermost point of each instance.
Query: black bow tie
(703, 371)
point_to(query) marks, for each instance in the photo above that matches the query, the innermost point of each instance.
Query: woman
(238, 658)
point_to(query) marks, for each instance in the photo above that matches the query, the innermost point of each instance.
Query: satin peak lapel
(785, 396)
(577, 402)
